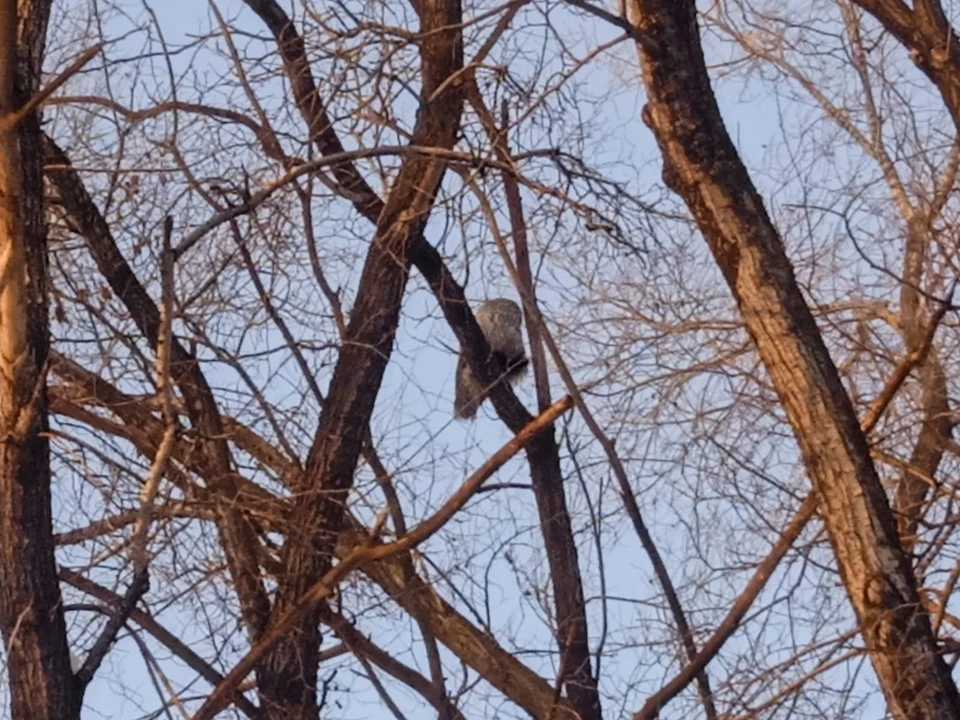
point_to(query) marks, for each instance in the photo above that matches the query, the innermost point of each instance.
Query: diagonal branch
(371, 551)
(160, 633)
(362, 647)
(122, 607)
(702, 165)
(476, 647)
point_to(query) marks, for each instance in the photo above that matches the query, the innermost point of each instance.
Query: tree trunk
(702, 165)
(543, 454)
(41, 681)
(288, 675)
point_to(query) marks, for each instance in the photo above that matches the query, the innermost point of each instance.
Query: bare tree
(31, 611)
(269, 229)
(702, 165)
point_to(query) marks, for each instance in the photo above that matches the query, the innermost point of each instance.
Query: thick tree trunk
(288, 675)
(702, 165)
(41, 682)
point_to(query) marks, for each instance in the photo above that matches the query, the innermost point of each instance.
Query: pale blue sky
(422, 401)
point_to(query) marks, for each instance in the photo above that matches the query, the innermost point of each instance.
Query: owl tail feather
(470, 394)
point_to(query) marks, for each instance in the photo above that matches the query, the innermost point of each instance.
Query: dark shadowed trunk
(701, 164)
(31, 611)
(289, 677)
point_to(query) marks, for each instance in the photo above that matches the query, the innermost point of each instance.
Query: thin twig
(333, 159)
(148, 493)
(168, 639)
(138, 543)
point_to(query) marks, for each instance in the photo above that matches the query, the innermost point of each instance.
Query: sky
(753, 121)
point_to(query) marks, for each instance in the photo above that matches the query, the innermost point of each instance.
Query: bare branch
(369, 552)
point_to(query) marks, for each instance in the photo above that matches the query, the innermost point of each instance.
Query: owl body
(501, 321)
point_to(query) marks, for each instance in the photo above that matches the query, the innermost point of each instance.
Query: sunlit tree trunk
(31, 612)
(702, 165)
(288, 676)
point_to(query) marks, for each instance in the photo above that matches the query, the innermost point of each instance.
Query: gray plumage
(501, 321)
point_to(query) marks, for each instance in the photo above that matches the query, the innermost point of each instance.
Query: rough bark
(701, 164)
(542, 452)
(31, 612)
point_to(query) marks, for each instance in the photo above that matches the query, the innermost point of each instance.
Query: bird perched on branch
(501, 321)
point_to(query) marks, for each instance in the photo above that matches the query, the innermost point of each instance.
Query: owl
(501, 321)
